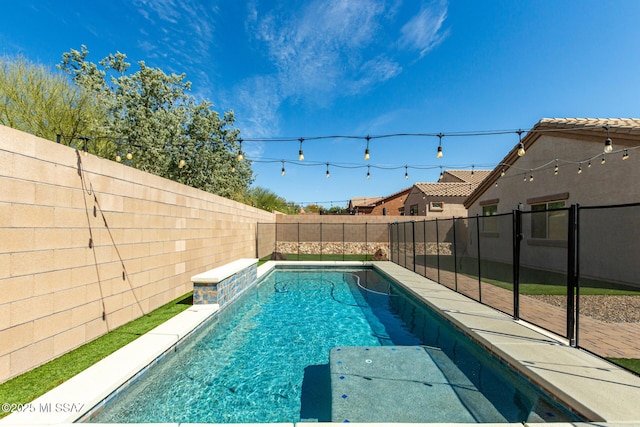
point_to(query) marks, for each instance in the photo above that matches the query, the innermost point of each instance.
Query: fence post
(479, 263)
(577, 280)
(343, 241)
(366, 242)
(517, 237)
(398, 240)
(320, 241)
(455, 257)
(425, 248)
(413, 237)
(438, 250)
(571, 274)
(298, 238)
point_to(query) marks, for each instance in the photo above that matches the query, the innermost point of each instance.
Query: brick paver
(604, 339)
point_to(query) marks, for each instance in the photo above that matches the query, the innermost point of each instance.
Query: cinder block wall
(88, 244)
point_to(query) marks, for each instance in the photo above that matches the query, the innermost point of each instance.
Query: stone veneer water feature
(223, 284)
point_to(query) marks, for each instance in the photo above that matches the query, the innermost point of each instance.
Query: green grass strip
(630, 364)
(32, 384)
(323, 257)
(544, 289)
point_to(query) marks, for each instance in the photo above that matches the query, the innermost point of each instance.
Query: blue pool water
(318, 345)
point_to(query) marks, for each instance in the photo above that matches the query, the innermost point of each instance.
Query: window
(436, 206)
(547, 223)
(413, 210)
(490, 225)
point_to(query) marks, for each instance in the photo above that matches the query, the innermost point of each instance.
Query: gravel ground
(606, 308)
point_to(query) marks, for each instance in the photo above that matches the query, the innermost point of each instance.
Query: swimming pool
(318, 345)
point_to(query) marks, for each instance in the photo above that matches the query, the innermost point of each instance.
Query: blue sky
(309, 68)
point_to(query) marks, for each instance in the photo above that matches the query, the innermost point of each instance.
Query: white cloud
(329, 49)
(423, 31)
(178, 21)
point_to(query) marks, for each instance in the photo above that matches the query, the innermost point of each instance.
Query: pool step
(402, 384)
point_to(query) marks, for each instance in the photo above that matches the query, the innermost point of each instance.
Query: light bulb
(531, 178)
(368, 175)
(502, 172)
(283, 171)
(118, 158)
(521, 150)
(608, 146)
(240, 156)
(181, 163)
(129, 156)
(555, 171)
(300, 155)
(328, 174)
(233, 169)
(366, 154)
(625, 154)
(439, 155)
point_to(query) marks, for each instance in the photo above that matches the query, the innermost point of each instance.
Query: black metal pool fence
(572, 271)
(536, 265)
(323, 241)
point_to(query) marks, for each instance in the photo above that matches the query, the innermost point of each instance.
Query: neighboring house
(445, 198)
(389, 205)
(362, 205)
(565, 164)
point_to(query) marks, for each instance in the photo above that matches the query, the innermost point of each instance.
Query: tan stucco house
(590, 162)
(445, 198)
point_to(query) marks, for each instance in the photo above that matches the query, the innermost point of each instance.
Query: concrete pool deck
(603, 392)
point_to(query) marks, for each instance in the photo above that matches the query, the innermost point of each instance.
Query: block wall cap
(218, 274)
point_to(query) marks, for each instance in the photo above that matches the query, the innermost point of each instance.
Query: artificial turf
(30, 385)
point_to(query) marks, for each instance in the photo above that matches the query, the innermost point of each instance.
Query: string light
(589, 164)
(625, 154)
(521, 151)
(328, 174)
(240, 156)
(502, 172)
(181, 163)
(555, 170)
(439, 155)
(531, 178)
(118, 158)
(368, 173)
(283, 172)
(603, 161)
(233, 168)
(406, 172)
(300, 153)
(441, 174)
(580, 169)
(366, 151)
(129, 155)
(472, 166)
(608, 145)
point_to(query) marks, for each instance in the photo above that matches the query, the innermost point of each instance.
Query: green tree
(159, 127)
(266, 199)
(42, 102)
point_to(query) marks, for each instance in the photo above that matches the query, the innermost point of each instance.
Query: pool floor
(255, 362)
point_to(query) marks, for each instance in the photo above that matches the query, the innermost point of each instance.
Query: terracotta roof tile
(475, 177)
(446, 189)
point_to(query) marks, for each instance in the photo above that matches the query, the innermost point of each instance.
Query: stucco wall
(453, 206)
(608, 237)
(82, 235)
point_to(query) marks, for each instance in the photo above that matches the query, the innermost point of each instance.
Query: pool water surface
(317, 345)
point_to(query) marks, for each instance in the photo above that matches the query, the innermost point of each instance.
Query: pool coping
(590, 385)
